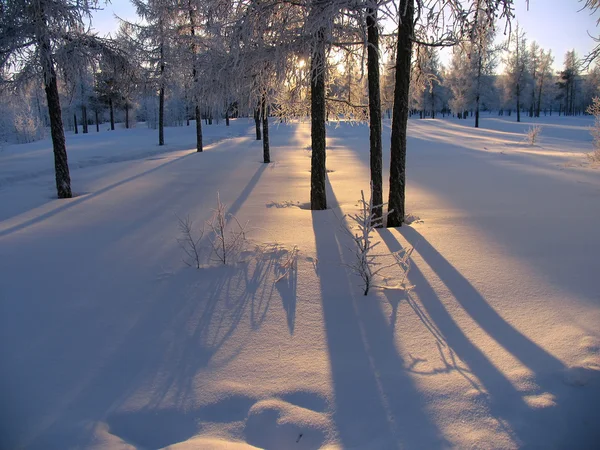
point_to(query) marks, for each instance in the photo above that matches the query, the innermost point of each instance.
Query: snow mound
(275, 424)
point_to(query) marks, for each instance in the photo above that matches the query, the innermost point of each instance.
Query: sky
(559, 25)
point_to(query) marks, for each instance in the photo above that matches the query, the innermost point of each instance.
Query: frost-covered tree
(569, 81)
(516, 67)
(36, 38)
(443, 22)
(544, 73)
(155, 36)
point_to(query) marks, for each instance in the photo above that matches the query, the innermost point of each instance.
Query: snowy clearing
(109, 340)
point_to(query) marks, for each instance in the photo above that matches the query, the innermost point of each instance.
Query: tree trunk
(478, 90)
(112, 114)
(374, 113)
(126, 115)
(75, 123)
(161, 116)
(318, 195)
(396, 202)
(97, 122)
(61, 166)
(257, 123)
(198, 129)
(265, 124)
(518, 102)
(539, 99)
(84, 119)
(227, 116)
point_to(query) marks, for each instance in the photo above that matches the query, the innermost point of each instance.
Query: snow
(109, 340)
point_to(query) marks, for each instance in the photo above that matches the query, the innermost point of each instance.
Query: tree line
(213, 59)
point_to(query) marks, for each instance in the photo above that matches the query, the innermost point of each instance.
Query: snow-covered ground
(109, 340)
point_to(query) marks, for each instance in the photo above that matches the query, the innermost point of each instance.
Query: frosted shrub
(365, 264)
(189, 243)
(533, 134)
(594, 109)
(226, 245)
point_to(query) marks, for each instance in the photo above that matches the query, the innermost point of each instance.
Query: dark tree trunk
(432, 103)
(61, 166)
(198, 129)
(227, 117)
(539, 99)
(374, 113)
(112, 114)
(126, 115)
(518, 102)
(161, 116)
(318, 195)
(396, 202)
(97, 122)
(75, 123)
(84, 119)
(478, 90)
(197, 114)
(265, 125)
(257, 123)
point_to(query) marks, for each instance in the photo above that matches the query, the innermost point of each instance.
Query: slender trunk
(227, 117)
(265, 124)
(318, 195)
(112, 114)
(518, 102)
(75, 123)
(257, 123)
(126, 115)
(396, 202)
(432, 103)
(61, 166)
(84, 119)
(161, 96)
(198, 129)
(539, 99)
(197, 114)
(97, 122)
(478, 90)
(374, 113)
(161, 116)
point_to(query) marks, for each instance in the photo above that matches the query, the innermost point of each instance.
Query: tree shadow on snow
(376, 403)
(523, 422)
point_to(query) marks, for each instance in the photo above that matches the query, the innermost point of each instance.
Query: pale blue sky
(558, 25)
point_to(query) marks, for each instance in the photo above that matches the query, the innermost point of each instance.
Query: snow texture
(109, 341)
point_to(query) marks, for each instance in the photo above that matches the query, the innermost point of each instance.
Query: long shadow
(237, 204)
(529, 353)
(518, 419)
(374, 396)
(197, 325)
(71, 203)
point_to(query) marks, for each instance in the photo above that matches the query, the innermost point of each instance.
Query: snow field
(108, 340)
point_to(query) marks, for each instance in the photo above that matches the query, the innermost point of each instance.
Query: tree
(569, 81)
(155, 38)
(516, 67)
(31, 35)
(375, 149)
(433, 31)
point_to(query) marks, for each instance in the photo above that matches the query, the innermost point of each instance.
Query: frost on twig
(365, 263)
(533, 134)
(290, 264)
(188, 241)
(226, 245)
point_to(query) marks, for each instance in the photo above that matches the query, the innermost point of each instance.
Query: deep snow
(108, 340)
